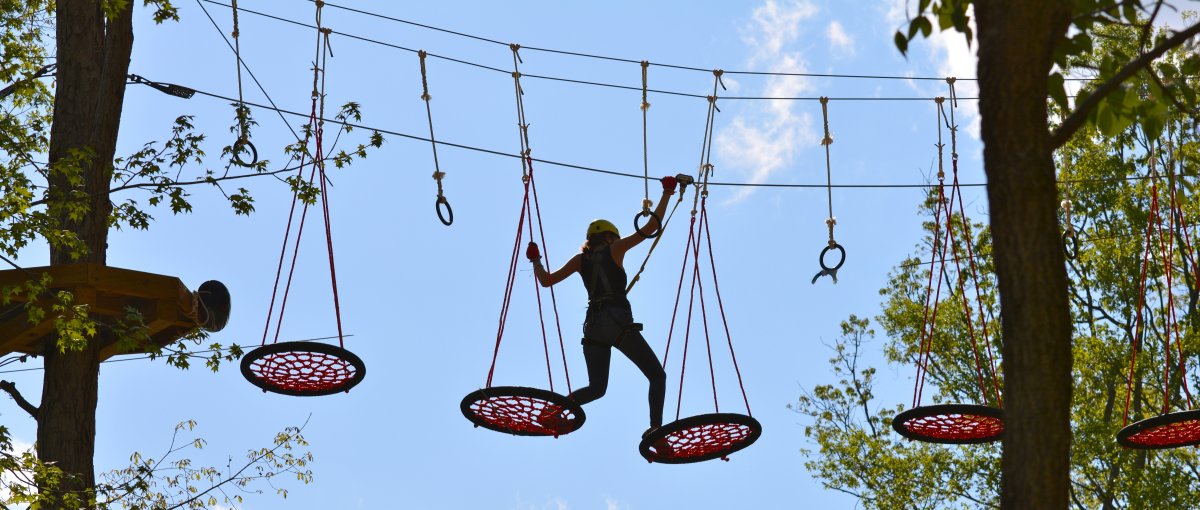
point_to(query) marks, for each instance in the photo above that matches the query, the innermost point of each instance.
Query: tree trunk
(1016, 41)
(93, 61)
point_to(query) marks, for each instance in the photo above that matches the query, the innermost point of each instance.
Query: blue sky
(422, 300)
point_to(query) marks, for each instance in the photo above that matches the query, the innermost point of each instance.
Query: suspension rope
(316, 134)
(526, 218)
(646, 203)
(438, 174)
(1139, 326)
(702, 176)
(932, 297)
(1180, 228)
(970, 240)
(826, 141)
(242, 112)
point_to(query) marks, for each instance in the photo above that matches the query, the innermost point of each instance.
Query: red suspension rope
(1138, 321)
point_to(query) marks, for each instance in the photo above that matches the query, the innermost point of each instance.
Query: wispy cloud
(764, 138)
(839, 40)
(948, 53)
(613, 504)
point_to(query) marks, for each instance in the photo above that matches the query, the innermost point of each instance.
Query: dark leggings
(634, 347)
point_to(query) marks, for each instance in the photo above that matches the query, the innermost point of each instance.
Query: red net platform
(700, 438)
(951, 424)
(1172, 430)
(522, 411)
(304, 369)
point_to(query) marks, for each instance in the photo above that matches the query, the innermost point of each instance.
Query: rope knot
(438, 175)
(1066, 205)
(646, 204)
(828, 140)
(235, 34)
(951, 80)
(516, 74)
(939, 99)
(319, 3)
(326, 31)
(645, 106)
(514, 46)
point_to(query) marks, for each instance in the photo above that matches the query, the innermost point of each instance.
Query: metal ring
(638, 228)
(441, 200)
(241, 146)
(841, 261)
(1070, 245)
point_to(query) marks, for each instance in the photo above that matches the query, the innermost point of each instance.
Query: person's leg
(597, 358)
(634, 347)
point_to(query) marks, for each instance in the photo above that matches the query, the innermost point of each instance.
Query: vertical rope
(646, 203)
(1179, 227)
(438, 174)
(237, 54)
(826, 141)
(1138, 321)
(926, 339)
(721, 306)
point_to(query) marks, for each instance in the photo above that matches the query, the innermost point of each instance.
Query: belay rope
(1182, 428)
(306, 368)
(521, 410)
(952, 423)
(831, 221)
(242, 144)
(447, 217)
(714, 435)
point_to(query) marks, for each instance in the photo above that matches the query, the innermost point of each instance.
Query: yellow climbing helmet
(599, 226)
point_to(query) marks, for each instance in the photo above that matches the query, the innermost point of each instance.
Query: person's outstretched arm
(621, 246)
(545, 278)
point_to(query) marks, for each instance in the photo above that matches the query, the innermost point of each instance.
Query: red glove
(532, 252)
(669, 183)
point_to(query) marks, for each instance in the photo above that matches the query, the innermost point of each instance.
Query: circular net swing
(521, 410)
(305, 369)
(1168, 429)
(953, 423)
(714, 435)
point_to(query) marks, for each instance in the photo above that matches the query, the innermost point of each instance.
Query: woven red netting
(1167, 431)
(522, 411)
(954, 423)
(305, 369)
(699, 438)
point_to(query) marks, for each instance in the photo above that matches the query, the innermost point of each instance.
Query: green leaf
(1058, 91)
(901, 43)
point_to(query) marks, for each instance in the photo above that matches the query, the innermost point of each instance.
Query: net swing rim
(1127, 432)
(898, 423)
(697, 420)
(521, 391)
(302, 346)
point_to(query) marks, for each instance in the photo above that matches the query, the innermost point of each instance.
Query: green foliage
(1120, 31)
(1111, 183)
(168, 481)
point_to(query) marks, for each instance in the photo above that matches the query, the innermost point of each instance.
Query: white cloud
(951, 56)
(838, 38)
(612, 504)
(763, 139)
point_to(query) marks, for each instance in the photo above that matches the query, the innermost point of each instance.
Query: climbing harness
(713, 435)
(953, 423)
(242, 144)
(826, 270)
(306, 368)
(441, 205)
(520, 410)
(1168, 429)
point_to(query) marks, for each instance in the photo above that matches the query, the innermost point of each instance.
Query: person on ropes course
(609, 320)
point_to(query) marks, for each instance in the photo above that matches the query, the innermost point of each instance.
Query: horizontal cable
(633, 61)
(634, 175)
(569, 80)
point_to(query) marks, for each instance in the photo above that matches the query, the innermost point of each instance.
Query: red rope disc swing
(1168, 429)
(713, 435)
(306, 368)
(521, 410)
(953, 423)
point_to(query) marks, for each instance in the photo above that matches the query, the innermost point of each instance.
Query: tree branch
(11, 388)
(1073, 122)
